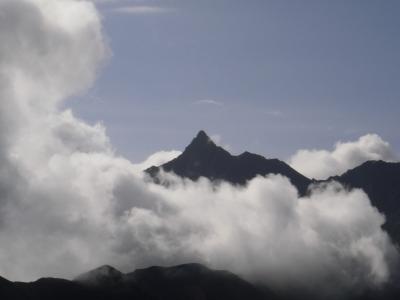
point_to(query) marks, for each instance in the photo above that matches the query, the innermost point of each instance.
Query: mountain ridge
(180, 282)
(186, 281)
(203, 158)
(380, 180)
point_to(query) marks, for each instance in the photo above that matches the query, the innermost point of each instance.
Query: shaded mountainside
(203, 158)
(190, 281)
(381, 182)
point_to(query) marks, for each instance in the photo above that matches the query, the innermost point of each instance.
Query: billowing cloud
(68, 203)
(320, 164)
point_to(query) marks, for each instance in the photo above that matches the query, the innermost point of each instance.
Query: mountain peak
(202, 142)
(202, 135)
(104, 275)
(203, 158)
(202, 139)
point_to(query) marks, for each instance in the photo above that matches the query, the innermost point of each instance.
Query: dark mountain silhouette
(381, 182)
(203, 158)
(190, 281)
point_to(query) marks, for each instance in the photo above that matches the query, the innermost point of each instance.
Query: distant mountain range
(203, 158)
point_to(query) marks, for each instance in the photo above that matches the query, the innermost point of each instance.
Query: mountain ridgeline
(203, 158)
(189, 281)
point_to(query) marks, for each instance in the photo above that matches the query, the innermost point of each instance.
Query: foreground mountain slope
(203, 158)
(190, 281)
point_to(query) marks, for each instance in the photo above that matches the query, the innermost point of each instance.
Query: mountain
(49, 289)
(195, 281)
(203, 158)
(381, 182)
(102, 276)
(189, 281)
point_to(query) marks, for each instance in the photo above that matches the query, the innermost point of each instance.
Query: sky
(270, 77)
(70, 203)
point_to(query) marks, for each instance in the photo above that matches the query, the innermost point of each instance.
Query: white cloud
(321, 164)
(158, 159)
(142, 10)
(68, 203)
(274, 113)
(217, 139)
(209, 102)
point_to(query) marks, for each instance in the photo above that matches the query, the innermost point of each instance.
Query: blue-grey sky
(266, 76)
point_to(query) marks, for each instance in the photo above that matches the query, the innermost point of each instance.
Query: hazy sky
(266, 76)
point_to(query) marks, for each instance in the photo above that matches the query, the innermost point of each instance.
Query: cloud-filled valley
(68, 203)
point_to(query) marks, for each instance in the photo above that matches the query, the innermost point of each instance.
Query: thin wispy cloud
(209, 102)
(217, 139)
(274, 113)
(142, 10)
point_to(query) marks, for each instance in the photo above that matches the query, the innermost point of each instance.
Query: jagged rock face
(203, 158)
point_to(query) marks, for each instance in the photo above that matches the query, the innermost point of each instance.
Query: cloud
(217, 139)
(142, 10)
(158, 159)
(68, 203)
(209, 102)
(321, 164)
(274, 113)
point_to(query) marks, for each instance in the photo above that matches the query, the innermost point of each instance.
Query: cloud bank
(321, 164)
(68, 203)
